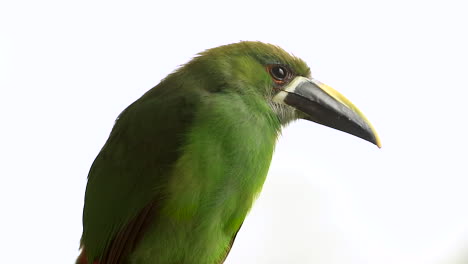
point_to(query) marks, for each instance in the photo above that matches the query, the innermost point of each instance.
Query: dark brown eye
(279, 73)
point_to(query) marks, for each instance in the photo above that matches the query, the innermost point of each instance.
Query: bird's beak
(322, 104)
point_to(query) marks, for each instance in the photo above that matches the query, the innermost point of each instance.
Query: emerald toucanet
(184, 163)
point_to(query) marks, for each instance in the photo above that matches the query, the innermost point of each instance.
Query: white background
(67, 69)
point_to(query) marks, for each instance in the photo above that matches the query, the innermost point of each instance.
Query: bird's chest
(220, 174)
(214, 184)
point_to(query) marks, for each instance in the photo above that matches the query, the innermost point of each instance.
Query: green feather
(184, 163)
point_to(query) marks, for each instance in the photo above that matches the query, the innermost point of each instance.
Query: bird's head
(284, 81)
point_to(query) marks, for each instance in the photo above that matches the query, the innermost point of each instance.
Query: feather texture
(184, 163)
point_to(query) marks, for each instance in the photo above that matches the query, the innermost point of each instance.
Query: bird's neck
(226, 159)
(213, 184)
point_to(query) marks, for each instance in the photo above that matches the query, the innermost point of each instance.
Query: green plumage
(184, 163)
(193, 152)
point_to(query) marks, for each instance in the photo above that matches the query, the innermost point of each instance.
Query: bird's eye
(279, 73)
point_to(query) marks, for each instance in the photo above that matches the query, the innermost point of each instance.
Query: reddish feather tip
(82, 258)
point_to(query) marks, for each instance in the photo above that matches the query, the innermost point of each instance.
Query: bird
(184, 163)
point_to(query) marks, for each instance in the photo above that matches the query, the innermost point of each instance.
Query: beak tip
(377, 142)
